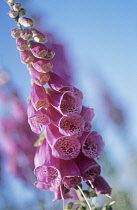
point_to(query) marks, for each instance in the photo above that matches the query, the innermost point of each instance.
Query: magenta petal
(72, 125)
(92, 145)
(100, 186)
(48, 173)
(42, 65)
(38, 50)
(43, 186)
(66, 103)
(68, 125)
(55, 115)
(38, 77)
(35, 127)
(77, 93)
(38, 97)
(89, 168)
(59, 84)
(64, 147)
(26, 56)
(37, 118)
(87, 114)
(21, 44)
(70, 173)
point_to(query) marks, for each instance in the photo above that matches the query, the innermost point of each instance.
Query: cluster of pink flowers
(67, 148)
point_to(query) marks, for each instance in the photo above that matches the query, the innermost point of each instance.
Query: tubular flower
(92, 144)
(38, 77)
(21, 44)
(89, 168)
(38, 50)
(37, 118)
(42, 65)
(26, 57)
(64, 147)
(100, 186)
(66, 103)
(39, 97)
(59, 84)
(71, 175)
(46, 168)
(68, 125)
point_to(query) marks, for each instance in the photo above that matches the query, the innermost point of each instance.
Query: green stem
(84, 197)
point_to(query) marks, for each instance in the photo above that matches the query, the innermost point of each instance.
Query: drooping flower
(66, 103)
(100, 185)
(38, 97)
(26, 57)
(21, 44)
(92, 144)
(38, 77)
(72, 125)
(42, 65)
(59, 84)
(38, 50)
(46, 168)
(70, 173)
(37, 119)
(88, 167)
(63, 147)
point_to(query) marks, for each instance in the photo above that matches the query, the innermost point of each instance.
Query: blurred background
(96, 50)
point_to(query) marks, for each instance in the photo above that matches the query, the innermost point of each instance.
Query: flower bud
(26, 22)
(42, 65)
(38, 36)
(10, 2)
(15, 32)
(13, 14)
(38, 50)
(22, 12)
(27, 34)
(17, 7)
(21, 44)
(26, 57)
(50, 55)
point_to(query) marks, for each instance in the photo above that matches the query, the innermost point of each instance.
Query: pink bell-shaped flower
(64, 147)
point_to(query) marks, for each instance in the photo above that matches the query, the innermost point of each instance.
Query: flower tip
(17, 7)
(26, 22)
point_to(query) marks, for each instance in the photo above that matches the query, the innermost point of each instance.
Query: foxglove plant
(67, 149)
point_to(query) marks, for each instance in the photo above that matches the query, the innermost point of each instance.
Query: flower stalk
(66, 148)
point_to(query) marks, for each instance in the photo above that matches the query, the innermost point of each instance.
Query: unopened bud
(27, 34)
(17, 7)
(38, 36)
(26, 22)
(38, 77)
(13, 14)
(50, 55)
(15, 32)
(10, 2)
(38, 50)
(22, 12)
(21, 44)
(42, 65)
(26, 57)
